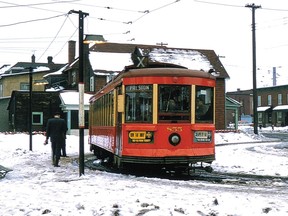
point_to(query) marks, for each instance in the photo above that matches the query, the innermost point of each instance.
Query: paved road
(283, 136)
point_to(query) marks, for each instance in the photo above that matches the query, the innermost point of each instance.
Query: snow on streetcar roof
(192, 59)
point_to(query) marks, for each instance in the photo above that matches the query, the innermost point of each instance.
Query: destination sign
(138, 88)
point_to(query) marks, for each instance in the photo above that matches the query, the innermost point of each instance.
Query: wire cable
(54, 38)
(146, 12)
(220, 4)
(109, 8)
(29, 21)
(231, 5)
(12, 5)
(66, 43)
(143, 13)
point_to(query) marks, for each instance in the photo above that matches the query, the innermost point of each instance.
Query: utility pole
(254, 7)
(81, 116)
(30, 107)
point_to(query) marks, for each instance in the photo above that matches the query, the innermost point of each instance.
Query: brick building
(272, 104)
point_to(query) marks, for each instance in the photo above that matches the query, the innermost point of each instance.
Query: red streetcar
(163, 117)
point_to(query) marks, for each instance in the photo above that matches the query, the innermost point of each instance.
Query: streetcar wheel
(208, 169)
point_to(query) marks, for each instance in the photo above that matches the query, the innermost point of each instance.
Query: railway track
(198, 175)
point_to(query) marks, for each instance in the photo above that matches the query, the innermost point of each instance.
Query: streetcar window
(101, 111)
(174, 103)
(204, 104)
(138, 103)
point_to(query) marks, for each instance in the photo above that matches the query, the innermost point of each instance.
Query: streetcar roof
(191, 59)
(198, 59)
(166, 71)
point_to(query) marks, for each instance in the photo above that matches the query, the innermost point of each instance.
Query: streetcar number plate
(202, 136)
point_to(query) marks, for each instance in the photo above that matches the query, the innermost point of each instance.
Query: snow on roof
(4, 68)
(110, 61)
(41, 68)
(58, 72)
(55, 89)
(281, 107)
(262, 109)
(191, 59)
(70, 100)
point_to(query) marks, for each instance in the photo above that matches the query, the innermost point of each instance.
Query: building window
(279, 117)
(24, 86)
(269, 100)
(259, 101)
(1, 90)
(279, 99)
(260, 117)
(73, 83)
(37, 118)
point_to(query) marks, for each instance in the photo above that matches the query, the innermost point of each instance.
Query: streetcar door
(119, 110)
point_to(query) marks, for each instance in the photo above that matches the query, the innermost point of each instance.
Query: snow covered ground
(35, 187)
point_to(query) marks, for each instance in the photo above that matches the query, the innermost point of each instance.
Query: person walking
(56, 130)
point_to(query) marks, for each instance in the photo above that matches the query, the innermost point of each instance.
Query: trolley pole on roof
(81, 117)
(255, 115)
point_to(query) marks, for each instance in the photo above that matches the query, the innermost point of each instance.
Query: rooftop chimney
(274, 76)
(33, 58)
(50, 59)
(71, 51)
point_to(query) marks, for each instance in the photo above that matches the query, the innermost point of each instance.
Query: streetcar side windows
(103, 111)
(174, 103)
(204, 104)
(138, 103)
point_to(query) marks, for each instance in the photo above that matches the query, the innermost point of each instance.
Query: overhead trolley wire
(146, 12)
(232, 5)
(13, 5)
(54, 37)
(29, 21)
(76, 30)
(142, 12)
(109, 7)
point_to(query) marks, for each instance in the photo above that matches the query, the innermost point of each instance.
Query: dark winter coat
(56, 129)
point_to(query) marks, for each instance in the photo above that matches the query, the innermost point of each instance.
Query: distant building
(245, 98)
(272, 104)
(232, 113)
(16, 77)
(44, 105)
(4, 119)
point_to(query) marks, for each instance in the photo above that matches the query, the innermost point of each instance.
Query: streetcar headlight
(174, 139)
(202, 136)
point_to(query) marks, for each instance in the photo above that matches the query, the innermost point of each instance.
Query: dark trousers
(56, 151)
(63, 148)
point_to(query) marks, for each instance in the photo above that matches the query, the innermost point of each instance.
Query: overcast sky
(221, 25)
